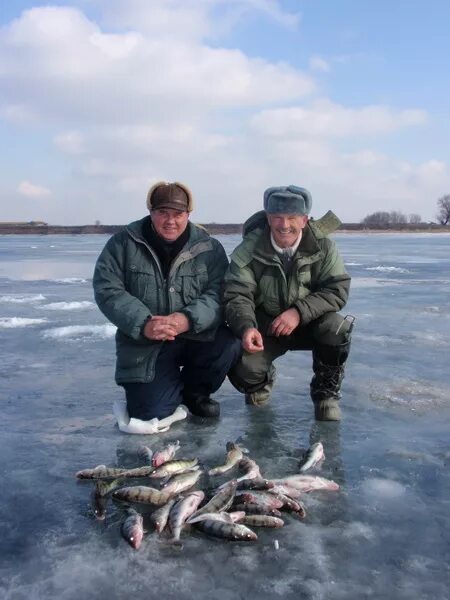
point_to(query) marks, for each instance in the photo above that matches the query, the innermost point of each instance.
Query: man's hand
(285, 323)
(161, 328)
(252, 341)
(182, 323)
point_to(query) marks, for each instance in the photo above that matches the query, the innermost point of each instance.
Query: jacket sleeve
(205, 312)
(330, 286)
(239, 295)
(125, 311)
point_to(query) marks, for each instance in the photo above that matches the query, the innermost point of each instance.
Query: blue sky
(101, 98)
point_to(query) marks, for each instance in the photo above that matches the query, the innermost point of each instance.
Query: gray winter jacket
(129, 288)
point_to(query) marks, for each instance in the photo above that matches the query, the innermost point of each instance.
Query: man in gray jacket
(283, 288)
(159, 281)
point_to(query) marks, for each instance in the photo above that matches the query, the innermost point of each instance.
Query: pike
(249, 468)
(100, 472)
(291, 504)
(234, 455)
(160, 517)
(307, 483)
(133, 528)
(171, 467)
(142, 495)
(232, 517)
(222, 501)
(255, 484)
(167, 453)
(262, 521)
(286, 490)
(145, 471)
(100, 496)
(256, 509)
(228, 531)
(262, 499)
(181, 511)
(312, 456)
(145, 454)
(181, 482)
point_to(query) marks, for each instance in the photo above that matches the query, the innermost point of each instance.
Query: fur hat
(170, 195)
(290, 200)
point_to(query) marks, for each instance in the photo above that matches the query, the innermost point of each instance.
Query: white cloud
(156, 100)
(31, 190)
(194, 20)
(79, 73)
(71, 142)
(316, 63)
(326, 119)
(16, 113)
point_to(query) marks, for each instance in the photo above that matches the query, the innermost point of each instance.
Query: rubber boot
(201, 405)
(328, 367)
(261, 396)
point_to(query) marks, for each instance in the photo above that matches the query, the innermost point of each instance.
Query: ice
(386, 269)
(83, 305)
(78, 332)
(383, 488)
(13, 322)
(70, 280)
(30, 299)
(384, 534)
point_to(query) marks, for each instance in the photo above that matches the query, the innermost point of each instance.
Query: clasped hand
(166, 327)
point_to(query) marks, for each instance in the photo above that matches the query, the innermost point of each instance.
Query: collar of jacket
(308, 251)
(199, 240)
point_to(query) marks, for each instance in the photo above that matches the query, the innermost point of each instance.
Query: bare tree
(385, 219)
(414, 218)
(443, 215)
(379, 219)
(397, 218)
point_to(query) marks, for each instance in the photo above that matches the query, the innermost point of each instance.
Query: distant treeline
(213, 228)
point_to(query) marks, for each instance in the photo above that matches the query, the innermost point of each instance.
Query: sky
(100, 99)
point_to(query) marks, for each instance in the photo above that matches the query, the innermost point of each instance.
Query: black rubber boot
(328, 367)
(201, 405)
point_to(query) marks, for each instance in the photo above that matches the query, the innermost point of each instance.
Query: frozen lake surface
(385, 534)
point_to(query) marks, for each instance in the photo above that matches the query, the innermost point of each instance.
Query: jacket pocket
(193, 283)
(143, 285)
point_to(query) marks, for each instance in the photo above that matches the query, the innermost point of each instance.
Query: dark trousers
(183, 366)
(253, 371)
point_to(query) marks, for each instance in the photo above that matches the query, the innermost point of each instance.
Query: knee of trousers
(250, 374)
(331, 329)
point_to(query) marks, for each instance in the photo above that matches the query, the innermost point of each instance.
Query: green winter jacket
(129, 287)
(257, 289)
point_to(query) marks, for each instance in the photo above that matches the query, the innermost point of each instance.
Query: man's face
(169, 223)
(286, 228)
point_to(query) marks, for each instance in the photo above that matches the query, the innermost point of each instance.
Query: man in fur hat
(159, 281)
(283, 288)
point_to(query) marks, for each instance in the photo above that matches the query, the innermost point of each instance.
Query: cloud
(142, 94)
(71, 142)
(194, 20)
(316, 63)
(16, 113)
(31, 190)
(326, 119)
(75, 71)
